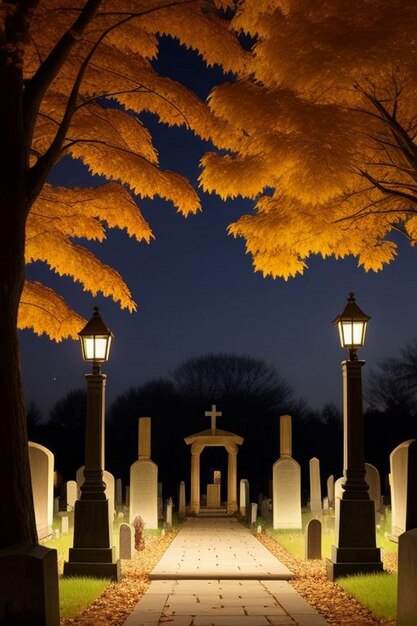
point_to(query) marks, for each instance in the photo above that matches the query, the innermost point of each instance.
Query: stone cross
(213, 414)
(285, 435)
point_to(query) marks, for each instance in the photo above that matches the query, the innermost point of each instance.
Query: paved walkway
(215, 573)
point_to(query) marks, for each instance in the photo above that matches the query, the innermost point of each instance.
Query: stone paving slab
(218, 548)
(228, 605)
(184, 591)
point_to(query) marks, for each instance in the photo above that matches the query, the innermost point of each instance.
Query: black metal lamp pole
(92, 553)
(355, 550)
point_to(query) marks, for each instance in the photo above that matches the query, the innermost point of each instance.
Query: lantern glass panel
(352, 333)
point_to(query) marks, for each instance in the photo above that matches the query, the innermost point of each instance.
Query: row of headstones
(286, 485)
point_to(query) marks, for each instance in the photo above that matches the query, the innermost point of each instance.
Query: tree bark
(17, 518)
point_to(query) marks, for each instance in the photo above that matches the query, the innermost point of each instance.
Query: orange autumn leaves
(315, 123)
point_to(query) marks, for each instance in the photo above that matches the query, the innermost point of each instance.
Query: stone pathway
(216, 573)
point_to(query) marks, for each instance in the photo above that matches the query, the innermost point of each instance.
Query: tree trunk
(17, 518)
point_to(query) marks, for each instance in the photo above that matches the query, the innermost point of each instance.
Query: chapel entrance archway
(214, 437)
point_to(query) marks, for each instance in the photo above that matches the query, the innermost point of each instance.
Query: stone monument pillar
(195, 478)
(143, 492)
(231, 479)
(286, 482)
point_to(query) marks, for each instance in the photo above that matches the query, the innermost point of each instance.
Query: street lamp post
(355, 550)
(92, 553)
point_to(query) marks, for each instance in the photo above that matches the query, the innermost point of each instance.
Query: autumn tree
(327, 107)
(73, 76)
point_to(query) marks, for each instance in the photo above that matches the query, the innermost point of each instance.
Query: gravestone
(160, 503)
(72, 494)
(315, 487)
(313, 540)
(127, 496)
(144, 480)
(330, 490)
(182, 501)
(119, 492)
(407, 572)
(253, 512)
(244, 497)
(56, 506)
(338, 489)
(403, 463)
(42, 476)
(126, 541)
(213, 495)
(168, 515)
(64, 524)
(266, 509)
(373, 479)
(286, 482)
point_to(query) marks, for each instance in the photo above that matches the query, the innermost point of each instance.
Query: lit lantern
(95, 340)
(352, 324)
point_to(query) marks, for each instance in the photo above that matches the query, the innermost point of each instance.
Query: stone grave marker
(144, 480)
(338, 490)
(407, 570)
(286, 482)
(42, 476)
(244, 497)
(119, 492)
(253, 512)
(72, 494)
(313, 540)
(182, 509)
(64, 524)
(126, 541)
(56, 506)
(160, 502)
(315, 487)
(168, 514)
(373, 479)
(127, 496)
(403, 463)
(330, 491)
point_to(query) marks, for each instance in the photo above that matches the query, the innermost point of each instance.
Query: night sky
(197, 292)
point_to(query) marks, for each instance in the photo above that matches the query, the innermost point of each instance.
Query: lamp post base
(92, 554)
(95, 569)
(356, 551)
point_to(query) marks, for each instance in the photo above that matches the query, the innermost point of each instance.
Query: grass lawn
(378, 592)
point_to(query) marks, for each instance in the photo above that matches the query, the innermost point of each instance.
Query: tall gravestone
(330, 490)
(374, 481)
(315, 487)
(403, 481)
(143, 491)
(119, 492)
(286, 482)
(182, 509)
(72, 494)
(244, 497)
(407, 572)
(42, 475)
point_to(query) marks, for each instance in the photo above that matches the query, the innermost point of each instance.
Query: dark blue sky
(197, 293)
